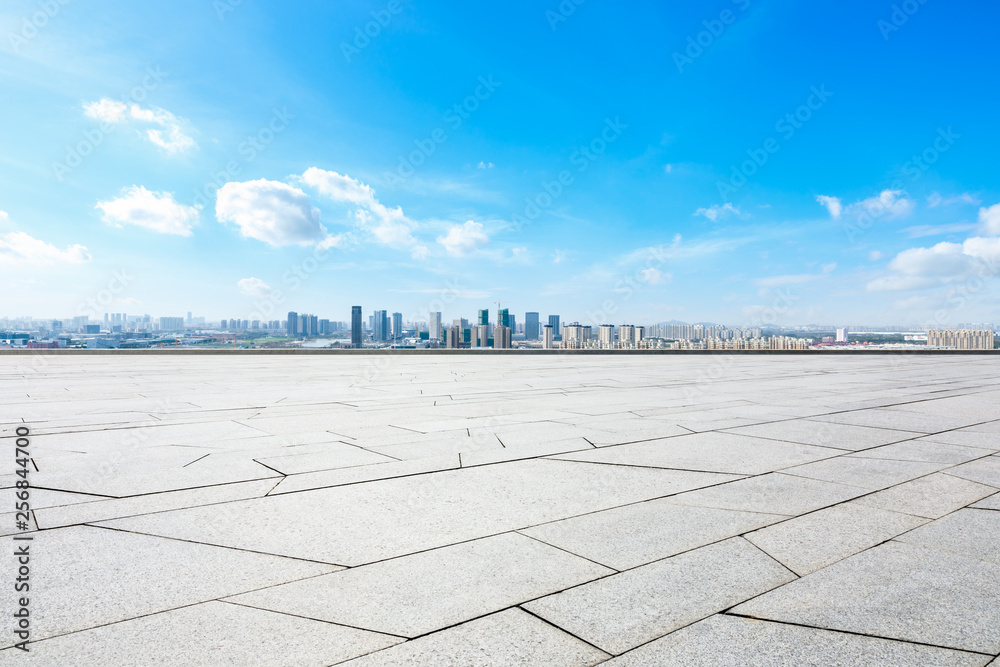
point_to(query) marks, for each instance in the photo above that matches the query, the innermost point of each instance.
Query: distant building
(168, 324)
(91, 329)
(356, 326)
(292, 327)
(531, 328)
(501, 338)
(547, 337)
(503, 317)
(380, 325)
(963, 339)
(397, 325)
(606, 336)
(453, 338)
(842, 335)
(554, 323)
(483, 320)
(483, 335)
(434, 327)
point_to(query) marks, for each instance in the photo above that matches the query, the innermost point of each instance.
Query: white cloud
(941, 264)
(485, 165)
(464, 239)
(936, 200)
(3, 215)
(270, 211)
(989, 220)
(169, 135)
(832, 205)
(890, 203)
(254, 287)
(558, 257)
(389, 226)
(828, 268)
(875, 255)
(152, 210)
(20, 248)
(717, 211)
(653, 276)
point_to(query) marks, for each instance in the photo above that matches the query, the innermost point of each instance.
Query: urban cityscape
(499, 330)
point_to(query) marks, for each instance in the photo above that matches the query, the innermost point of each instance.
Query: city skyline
(709, 163)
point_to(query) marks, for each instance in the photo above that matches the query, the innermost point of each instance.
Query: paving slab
(523, 451)
(968, 438)
(83, 577)
(815, 540)
(897, 591)
(932, 496)
(730, 641)
(985, 471)
(924, 450)
(394, 517)
(337, 455)
(510, 637)
(709, 452)
(343, 476)
(420, 593)
(209, 634)
(900, 420)
(867, 473)
(630, 536)
(631, 608)
(774, 493)
(968, 532)
(990, 503)
(826, 434)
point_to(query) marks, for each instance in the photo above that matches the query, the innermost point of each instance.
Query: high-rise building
(963, 339)
(292, 327)
(483, 335)
(171, 323)
(547, 337)
(629, 336)
(501, 338)
(356, 326)
(483, 320)
(434, 327)
(503, 317)
(397, 325)
(474, 336)
(554, 323)
(453, 337)
(842, 335)
(573, 336)
(606, 336)
(380, 325)
(531, 326)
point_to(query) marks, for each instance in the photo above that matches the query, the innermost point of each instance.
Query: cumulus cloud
(875, 255)
(717, 211)
(485, 165)
(653, 276)
(464, 239)
(20, 248)
(168, 132)
(254, 287)
(832, 205)
(3, 215)
(389, 226)
(941, 264)
(989, 220)
(935, 200)
(270, 211)
(156, 211)
(888, 203)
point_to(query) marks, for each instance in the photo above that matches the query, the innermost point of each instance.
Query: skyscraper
(484, 318)
(292, 327)
(503, 317)
(554, 323)
(397, 325)
(380, 325)
(355, 326)
(531, 326)
(434, 327)
(501, 338)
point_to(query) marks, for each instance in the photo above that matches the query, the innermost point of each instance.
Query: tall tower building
(356, 326)
(397, 325)
(483, 320)
(503, 317)
(531, 326)
(501, 338)
(292, 328)
(554, 323)
(547, 337)
(434, 327)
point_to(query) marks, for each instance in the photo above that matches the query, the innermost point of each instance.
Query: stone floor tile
(510, 637)
(343, 476)
(968, 532)
(985, 471)
(815, 540)
(628, 609)
(524, 451)
(932, 496)
(990, 503)
(867, 473)
(826, 434)
(731, 641)
(428, 591)
(210, 634)
(897, 591)
(82, 577)
(629, 536)
(924, 450)
(774, 493)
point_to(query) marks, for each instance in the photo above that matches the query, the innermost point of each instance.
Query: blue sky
(744, 162)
